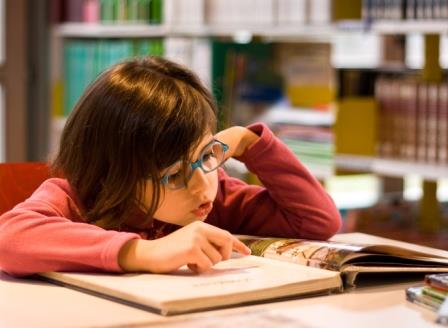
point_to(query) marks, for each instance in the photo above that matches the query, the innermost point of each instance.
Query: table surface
(33, 303)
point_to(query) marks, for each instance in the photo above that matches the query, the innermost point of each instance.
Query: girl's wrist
(127, 257)
(248, 140)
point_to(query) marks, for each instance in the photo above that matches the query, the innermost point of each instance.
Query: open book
(318, 267)
(352, 254)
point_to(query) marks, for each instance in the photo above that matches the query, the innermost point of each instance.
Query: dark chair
(18, 181)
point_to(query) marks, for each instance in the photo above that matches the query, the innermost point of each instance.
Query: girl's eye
(175, 179)
(207, 156)
(175, 175)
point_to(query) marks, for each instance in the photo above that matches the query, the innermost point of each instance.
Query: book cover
(233, 282)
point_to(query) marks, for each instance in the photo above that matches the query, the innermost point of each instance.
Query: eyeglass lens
(211, 158)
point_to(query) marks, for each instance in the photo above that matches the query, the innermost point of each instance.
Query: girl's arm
(291, 203)
(46, 233)
(198, 245)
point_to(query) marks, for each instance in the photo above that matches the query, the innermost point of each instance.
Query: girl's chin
(184, 221)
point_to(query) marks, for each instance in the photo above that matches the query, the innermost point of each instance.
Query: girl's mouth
(203, 210)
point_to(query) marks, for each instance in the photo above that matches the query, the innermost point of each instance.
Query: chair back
(18, 181)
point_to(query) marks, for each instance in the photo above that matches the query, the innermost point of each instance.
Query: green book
(144, 11)
(107, 11)
(437, 294)
(156, 12)
(133, 11)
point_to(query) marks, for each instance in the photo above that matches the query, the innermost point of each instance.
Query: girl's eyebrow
(211, 140)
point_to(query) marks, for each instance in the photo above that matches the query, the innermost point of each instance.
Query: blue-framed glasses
(211, 157)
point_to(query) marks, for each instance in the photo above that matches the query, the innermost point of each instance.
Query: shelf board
(410, 26)
(84, 30)
(323, 33)
(391, 167)
(299, 116)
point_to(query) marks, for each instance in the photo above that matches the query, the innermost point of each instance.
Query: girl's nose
(198, 181)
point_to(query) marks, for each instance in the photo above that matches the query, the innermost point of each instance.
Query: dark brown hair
(134, 120)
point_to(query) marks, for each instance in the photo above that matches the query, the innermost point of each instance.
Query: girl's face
(192, 202)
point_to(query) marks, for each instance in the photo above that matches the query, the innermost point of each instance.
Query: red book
(442, 124)
(409, 103)
(421, 121)
(431, 123)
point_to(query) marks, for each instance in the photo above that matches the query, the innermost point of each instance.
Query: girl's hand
(238, 138)
(198, 245)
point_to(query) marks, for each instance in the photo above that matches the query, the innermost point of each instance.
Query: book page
(362, 249)
(390, 246)
(318, 254)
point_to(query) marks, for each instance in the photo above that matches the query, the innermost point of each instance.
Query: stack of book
(308, 133)
(432, 294)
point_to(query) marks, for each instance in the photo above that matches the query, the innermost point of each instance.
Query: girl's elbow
(333, 224)
(9, 259)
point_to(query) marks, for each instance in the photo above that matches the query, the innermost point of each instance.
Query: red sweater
(47, 232)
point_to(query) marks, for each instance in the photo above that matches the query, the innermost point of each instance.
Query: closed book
(439, 281)
(233, 282)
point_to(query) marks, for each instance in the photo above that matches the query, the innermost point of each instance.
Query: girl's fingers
(225, 242)
(240, 247)
(212, 252)
(200, 262)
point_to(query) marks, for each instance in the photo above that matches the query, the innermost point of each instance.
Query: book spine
(411, 9)
(431, 124)
(442, 124)
(409, 105)
(107, 11)
(74, 10)
(91, 11)
(422, 118)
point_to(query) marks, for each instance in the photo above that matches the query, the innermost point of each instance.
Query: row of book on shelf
(404, 9)
(195, 12)
(413, 119)
(107, 11)
(85, 59)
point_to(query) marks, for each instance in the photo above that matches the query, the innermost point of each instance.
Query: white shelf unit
(391, 167)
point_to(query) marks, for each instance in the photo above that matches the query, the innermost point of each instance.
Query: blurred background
(357, 89)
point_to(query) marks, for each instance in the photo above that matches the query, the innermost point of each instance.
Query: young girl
(143, 187)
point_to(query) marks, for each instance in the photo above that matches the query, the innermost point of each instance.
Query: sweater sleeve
(47, 233)
(291, 203)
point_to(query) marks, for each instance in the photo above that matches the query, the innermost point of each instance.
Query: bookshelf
(199, 21)
(243, 30)
(428, 102)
